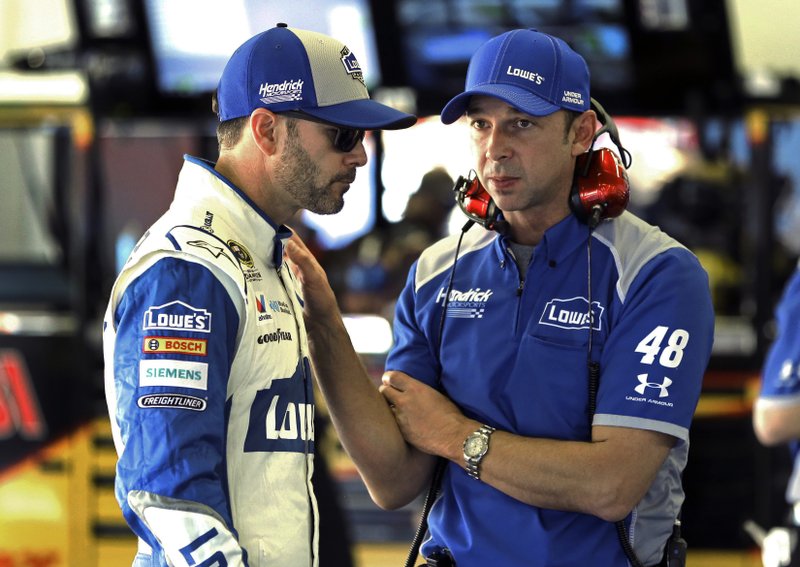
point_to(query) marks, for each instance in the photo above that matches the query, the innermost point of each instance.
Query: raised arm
(393, 471)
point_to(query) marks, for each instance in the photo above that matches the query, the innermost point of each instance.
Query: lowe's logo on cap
(177, 316)
(532, 76)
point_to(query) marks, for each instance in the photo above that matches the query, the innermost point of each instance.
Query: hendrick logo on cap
(281, 92)
(351, 64)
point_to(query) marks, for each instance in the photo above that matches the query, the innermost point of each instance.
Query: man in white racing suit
(208, 383)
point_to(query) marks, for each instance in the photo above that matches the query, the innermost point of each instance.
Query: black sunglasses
(345, 139)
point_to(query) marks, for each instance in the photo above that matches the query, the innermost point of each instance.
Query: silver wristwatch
(475, 448)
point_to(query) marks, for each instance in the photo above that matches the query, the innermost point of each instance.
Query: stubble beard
(298, 175)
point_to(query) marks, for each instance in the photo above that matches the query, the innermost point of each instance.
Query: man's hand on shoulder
(318, 297)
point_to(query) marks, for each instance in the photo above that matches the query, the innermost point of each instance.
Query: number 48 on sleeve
(671, 354)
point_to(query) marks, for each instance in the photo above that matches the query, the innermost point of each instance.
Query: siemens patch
(178, 401)
(173, 373)
(572, 314)
(177, 316)
(175, 345)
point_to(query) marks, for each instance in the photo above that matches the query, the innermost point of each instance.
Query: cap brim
(365, 114)
(520, 99)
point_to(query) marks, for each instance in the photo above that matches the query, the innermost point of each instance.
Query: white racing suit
(209, 388)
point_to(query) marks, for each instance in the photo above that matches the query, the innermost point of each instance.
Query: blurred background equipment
(99, 99)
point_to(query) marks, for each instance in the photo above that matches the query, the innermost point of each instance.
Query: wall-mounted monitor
(439, 36)
(645, 56)
(191, 40)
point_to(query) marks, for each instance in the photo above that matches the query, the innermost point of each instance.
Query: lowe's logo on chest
(572, 313)
(282, 415)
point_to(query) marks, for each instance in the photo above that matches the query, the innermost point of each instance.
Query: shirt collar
(280, 233)
(558, 242)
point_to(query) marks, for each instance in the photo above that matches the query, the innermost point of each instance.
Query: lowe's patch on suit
(180, 373)
(175, 345)
(177, 316)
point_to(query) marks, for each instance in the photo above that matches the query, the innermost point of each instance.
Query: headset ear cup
(600, 187)
(475, 202)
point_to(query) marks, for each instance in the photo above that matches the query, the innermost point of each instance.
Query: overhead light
(370, 334)
(761, 82)
(61, 87)
(36, 323)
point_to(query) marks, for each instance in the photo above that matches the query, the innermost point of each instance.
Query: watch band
(473, 463)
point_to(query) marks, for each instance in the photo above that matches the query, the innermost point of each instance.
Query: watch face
(474, 446)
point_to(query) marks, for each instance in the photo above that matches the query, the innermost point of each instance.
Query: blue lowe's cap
(535, 73)
(285, 68)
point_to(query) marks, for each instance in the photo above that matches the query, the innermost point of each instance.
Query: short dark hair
(569, 119)
(230, 131)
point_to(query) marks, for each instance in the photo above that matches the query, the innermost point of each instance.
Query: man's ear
(583, 129)
(264, 130)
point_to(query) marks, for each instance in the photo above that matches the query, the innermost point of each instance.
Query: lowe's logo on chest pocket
(572, 313)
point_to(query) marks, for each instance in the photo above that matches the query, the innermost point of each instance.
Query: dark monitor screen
(439, 37)
(644, 56)
(192, 40)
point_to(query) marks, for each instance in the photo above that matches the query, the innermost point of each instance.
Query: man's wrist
(476, 447)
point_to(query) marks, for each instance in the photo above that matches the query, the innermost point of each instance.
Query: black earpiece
(600, 186)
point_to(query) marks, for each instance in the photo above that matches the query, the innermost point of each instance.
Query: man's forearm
(393, 471)
(775, 422)
(603, 478)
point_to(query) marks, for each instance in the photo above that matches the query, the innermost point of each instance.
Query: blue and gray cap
(532, 71)
(286, 68)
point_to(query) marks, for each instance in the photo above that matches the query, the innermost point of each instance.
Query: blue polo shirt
(513, 354)
(780, 380)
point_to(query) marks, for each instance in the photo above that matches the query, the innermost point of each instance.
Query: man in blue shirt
(545, 466)
(776, 419)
